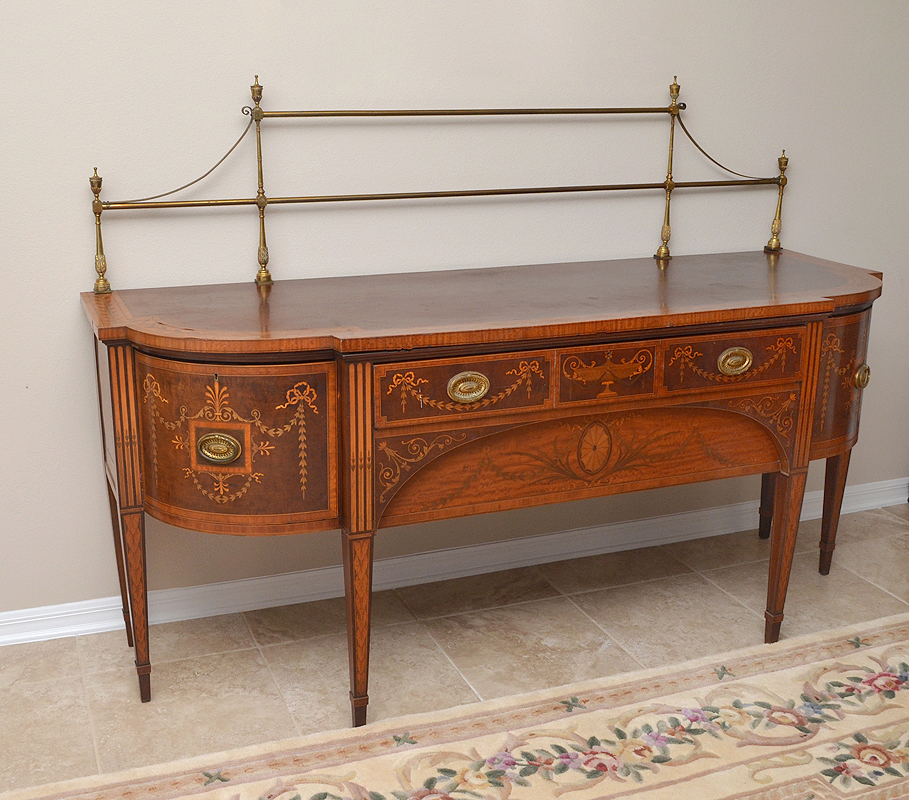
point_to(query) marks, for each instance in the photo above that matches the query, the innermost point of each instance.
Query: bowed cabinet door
(242, 449)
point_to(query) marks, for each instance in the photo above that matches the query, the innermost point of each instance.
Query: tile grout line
(609, 636)
(895, 517)
(560, 594)
(482, 609)
(618, 640)
(570, 598)
(706, 577)
(83, 678)
(872, 583)
(258, 648)
(448, 658)
(425, 627)
(703, 575)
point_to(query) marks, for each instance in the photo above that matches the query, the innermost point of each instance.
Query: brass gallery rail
(257, 114)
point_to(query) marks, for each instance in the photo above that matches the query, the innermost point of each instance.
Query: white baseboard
(170, 605)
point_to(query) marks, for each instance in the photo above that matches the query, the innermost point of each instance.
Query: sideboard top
(486, 306)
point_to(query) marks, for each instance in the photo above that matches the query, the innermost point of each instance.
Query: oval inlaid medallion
(594, 448)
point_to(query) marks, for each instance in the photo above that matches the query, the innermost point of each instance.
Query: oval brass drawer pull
(734, 361)
(862, 376)
(219, 448)
(468, 387)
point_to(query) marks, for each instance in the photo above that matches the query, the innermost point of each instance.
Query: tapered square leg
(790, 490)
(134, 556)
(358, 558)
(834, 488)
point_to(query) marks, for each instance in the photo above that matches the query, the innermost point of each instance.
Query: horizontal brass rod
(500, 192)
(467, 112)
(180, 204)
(339, 198)
(744, 182)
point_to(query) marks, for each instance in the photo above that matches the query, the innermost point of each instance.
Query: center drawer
(461, 387)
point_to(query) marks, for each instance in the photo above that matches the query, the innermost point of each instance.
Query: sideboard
(356, 403)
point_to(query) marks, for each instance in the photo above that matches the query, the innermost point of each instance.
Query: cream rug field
(825, 716)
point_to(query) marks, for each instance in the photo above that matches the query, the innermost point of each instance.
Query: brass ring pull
(734, 361)
(862, 376)
(468, 387)
(218, 448)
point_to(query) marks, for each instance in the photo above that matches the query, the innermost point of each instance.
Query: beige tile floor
(70, 707)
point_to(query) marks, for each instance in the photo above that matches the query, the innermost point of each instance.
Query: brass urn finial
(674, 90)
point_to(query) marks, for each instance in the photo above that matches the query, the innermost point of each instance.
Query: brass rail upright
(662, 252)
(263, 276)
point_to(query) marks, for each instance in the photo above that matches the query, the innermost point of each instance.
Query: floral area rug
(817, 717)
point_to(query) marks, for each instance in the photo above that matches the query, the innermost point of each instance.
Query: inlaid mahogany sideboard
(363, 402)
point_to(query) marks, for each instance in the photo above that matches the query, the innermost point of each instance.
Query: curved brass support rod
(707, 155)
(662, 253)
(774, 244)
(102, 285)
(246, 110)
(263, 276)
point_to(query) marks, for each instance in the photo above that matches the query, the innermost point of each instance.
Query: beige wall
(150, 94)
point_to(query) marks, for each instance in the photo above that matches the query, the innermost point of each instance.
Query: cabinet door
(247, 449)
(842, 375)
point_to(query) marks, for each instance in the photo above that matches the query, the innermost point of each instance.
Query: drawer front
(590, 375)
(227, 446)
(456, 388)
(721, 361)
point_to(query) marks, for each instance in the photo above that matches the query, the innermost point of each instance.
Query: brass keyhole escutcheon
(219, 448)
(468, 387)
(734, 361)
(862, 376)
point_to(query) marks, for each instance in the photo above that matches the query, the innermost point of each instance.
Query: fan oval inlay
(594, 448)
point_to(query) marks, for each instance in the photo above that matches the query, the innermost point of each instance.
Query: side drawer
(458, 387)
(238, 449)
(706, 362)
